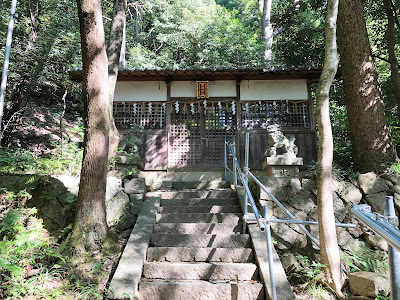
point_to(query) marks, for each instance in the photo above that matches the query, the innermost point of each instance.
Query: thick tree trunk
(268, 32)
(330, 255)
(394, 68)
(90, 230)
(114, 54)
(370, 135)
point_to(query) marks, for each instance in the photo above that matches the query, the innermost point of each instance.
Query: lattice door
(184, 138)
(197, 139)
(219, 124)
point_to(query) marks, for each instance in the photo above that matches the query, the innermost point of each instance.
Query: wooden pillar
(238, 120)
(311, 113)
(168, 118)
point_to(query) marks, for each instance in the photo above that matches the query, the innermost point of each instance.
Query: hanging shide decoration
(202, 89)
(205, 106)
(135, 109)
(150, 108)
(177, 107)
(192, 108)
(233, 107)
(219, 106)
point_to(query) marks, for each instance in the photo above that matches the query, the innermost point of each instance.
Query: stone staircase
(197, 250)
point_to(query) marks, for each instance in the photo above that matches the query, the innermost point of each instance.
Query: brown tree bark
(90, 231)
(370, 135)
(330, 255)
(33, 16)
(394, 67)
(114, 54)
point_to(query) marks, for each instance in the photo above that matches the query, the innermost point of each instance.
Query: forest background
(43, 122)
(167, 34)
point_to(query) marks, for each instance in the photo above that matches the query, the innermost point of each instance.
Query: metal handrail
(264, 223)
(236, 166)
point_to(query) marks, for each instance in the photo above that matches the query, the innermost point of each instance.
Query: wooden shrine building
(188, 114)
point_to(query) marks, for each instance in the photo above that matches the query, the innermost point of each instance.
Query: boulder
(393, 178)
(349, 193)
(114, 185)
(289, 262)
(369, 284)
(377, 202)
(286, 237)
(376, 241)
(358, 230)
(347, 241)
(116, 208)
(304, 201)
(308, 184)
(135, 186)
(293, 187)
(339, 208)
(370, 183)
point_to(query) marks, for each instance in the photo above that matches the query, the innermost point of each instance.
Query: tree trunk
(114, 54)
(33, 16)
(370, 135)
(90, 231)
(268, 32)
(330, 255)
(394, 68)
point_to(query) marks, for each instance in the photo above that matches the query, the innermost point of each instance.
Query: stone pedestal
(282, 166)
(127, 160)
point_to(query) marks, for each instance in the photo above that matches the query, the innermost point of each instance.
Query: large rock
(114, 185)
(359, 229)
(116, 208)
(377, 202)
(370, 183)
(286, 237)
(339, 208)
(308, 183)
(304, 201)
(376, 241)
(277, 187)
(369, 284)
(135, 186)
(393, 178)
(349, 193)
(293, 187)
(348, 242)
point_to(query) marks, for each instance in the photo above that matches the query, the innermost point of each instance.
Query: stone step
(188, 194)
(195, 290)
(201, 209)
(199, 228)
(185, 254)
(198, 218)
(200, 240)
(199, 185)
(199, 202)
(200, 271)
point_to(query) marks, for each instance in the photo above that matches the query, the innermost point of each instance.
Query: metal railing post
(234, 166)
(393, 254)
(270, 254)
(246, 173)
(225, 161)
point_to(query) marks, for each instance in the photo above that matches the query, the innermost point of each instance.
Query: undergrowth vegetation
(27, 162)
(32, 263)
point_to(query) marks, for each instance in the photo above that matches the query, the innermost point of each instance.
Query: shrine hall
(187, 115)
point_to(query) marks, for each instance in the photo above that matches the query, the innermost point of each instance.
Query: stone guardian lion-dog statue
(277, 140)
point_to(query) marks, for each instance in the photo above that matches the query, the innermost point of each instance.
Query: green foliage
(25, 161)
(365, 259)
(201, 33)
